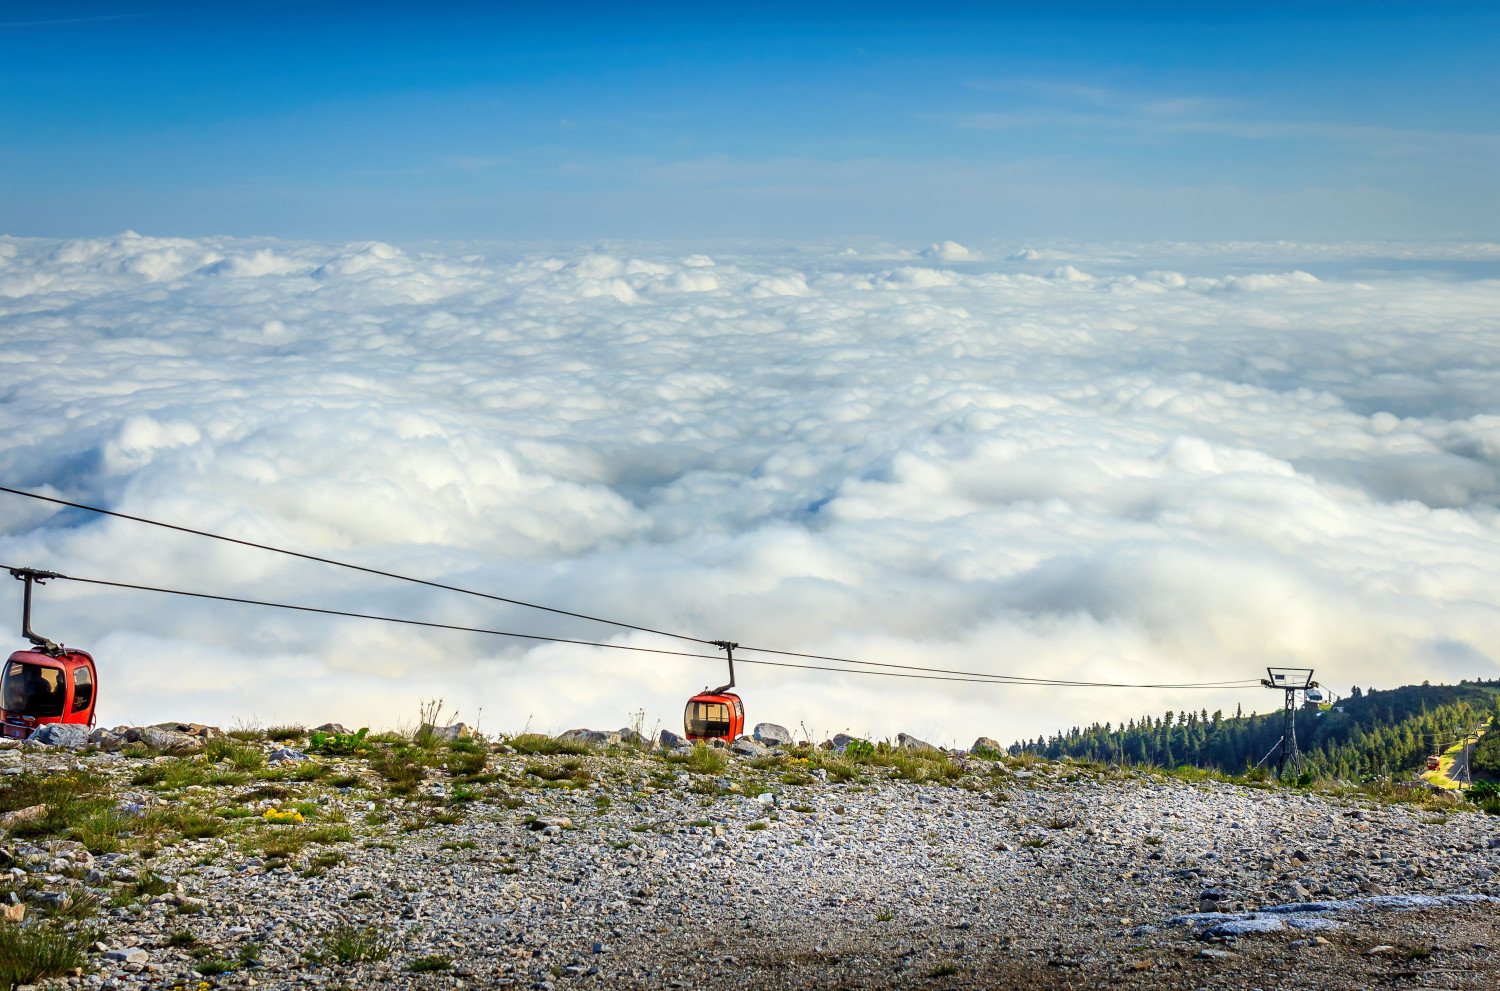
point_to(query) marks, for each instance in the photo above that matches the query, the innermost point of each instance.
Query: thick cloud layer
(1169, 462)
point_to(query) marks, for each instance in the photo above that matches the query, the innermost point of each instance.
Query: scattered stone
(129, 954)
(842, 740)
(332, 729)
(285, 755)
(552, 822)
(12, 913)
(668, 740)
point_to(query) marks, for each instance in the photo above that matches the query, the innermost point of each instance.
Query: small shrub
(309, 770)
(285, 734)
(348, 944)
(464, 761)
(400, 770)
(181, 938)
(430, 964)
(80, 903)
(339, 744)
(150, 884)
(329, 834)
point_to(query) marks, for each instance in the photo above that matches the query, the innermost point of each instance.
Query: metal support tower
(1291, 681)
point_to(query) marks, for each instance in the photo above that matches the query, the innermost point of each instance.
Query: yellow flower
(281, 816)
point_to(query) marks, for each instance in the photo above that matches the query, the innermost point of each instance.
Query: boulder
(285, 755)
(668, 740)
(772, 735)
(331, 728)
(457, 731)
(908, 742)
(31, 813)
(12, 913)
(106, 740)
(191, 729)
(164, 740)
(985, 747)
(69, 737)
(631, 737)
(747, 747)
(592, 737)
(842, 740)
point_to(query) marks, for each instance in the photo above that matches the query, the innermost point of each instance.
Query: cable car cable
(978, 675)
(982, 679)
(352, 567)
(1237, 683)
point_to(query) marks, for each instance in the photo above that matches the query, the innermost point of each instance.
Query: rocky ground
(182, 858)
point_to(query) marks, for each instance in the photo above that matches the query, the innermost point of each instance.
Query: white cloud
(1155, 462)
(949, 251)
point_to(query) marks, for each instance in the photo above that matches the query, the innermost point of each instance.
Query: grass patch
(430, 964)
(31, 952)
(701, 759)
(402, 767)
(541, 743)
(348, 944)
(242, 756)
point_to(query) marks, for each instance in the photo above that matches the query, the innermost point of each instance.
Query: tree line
(1367, 734)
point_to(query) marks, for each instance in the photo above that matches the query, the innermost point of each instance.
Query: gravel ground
(639, 874)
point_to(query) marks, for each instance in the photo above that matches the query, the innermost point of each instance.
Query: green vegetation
(701, 759)
(430, 964)
(540, 743)
(33, 952)
(1486, 757)
(348, 944)
(1369, 734)
(339, 744)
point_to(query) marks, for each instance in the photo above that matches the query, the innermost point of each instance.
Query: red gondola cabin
(716, 713)
(714, 716)
(38, 688)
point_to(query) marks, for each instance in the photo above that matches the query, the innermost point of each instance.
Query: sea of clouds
(1113, 462)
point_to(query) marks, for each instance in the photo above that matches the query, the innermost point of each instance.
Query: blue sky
(994, 121)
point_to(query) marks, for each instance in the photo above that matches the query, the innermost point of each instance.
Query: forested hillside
(1487, 754)
(1369, 733)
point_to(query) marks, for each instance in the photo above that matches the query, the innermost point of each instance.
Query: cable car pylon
(1291, 681)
